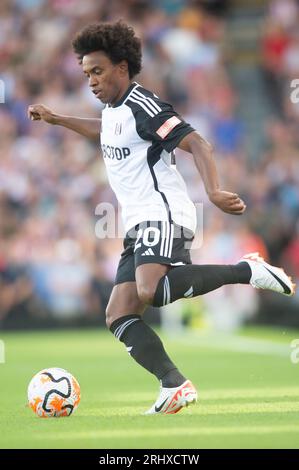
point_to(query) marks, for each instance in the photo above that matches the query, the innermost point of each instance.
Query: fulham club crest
(117, 130)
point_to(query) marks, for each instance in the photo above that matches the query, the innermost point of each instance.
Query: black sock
(146, 348)
(192, 280)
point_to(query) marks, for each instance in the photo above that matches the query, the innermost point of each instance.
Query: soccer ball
(53, 393)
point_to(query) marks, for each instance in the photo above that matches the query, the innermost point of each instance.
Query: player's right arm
(88, 127)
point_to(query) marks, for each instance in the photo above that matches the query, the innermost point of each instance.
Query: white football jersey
(138, 138)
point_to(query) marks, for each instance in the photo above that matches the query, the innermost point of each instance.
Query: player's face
(107, 81)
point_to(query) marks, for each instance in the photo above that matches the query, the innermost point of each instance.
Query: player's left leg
(124, 319)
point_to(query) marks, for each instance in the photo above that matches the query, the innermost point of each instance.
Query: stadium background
(227, 67)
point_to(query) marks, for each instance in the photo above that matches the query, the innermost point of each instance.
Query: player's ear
(123, 67)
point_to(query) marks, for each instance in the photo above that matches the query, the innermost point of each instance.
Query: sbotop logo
(295, 93)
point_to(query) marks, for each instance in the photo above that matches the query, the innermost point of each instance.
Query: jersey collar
(125, 95)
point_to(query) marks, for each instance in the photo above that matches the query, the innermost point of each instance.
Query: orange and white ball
(53, 393)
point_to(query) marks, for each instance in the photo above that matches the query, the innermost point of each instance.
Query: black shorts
(153, 242)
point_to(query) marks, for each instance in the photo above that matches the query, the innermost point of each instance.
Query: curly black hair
(116, 40)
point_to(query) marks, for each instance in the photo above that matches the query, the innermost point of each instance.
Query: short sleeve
(159, 122)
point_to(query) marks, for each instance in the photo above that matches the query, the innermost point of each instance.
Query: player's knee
(146, 293)
(110, 317)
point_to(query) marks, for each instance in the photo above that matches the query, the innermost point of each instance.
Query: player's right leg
(193, 280)
(158, 247)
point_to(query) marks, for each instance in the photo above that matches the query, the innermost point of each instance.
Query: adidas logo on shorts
(148, 252)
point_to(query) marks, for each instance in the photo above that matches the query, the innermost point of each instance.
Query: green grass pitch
(248, 388)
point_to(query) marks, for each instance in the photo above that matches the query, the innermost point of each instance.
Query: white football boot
(265, 276)
(172, 400)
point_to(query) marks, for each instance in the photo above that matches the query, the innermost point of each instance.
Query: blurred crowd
(52, 264)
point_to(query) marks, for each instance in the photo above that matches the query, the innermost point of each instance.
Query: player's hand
(228, 202)
(39, 112)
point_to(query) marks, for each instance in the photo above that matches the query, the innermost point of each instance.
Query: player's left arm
(202, 152)
(170, 130)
